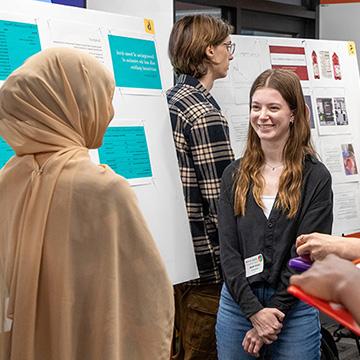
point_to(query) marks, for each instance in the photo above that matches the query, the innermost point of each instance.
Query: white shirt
(268, 201)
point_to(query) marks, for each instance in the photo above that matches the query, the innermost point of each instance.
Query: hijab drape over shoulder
(80, 276)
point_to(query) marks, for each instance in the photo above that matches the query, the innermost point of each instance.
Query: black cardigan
(274, 238)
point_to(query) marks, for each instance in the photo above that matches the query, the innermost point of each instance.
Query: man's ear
(209, 51)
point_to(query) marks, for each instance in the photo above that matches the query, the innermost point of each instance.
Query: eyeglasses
(230, 46)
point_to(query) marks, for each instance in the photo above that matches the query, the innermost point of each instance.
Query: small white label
(254, 265)
(335, 306)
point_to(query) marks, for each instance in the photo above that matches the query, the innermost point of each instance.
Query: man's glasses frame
(230, 46)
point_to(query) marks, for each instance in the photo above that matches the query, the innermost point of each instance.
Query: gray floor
(347, 347)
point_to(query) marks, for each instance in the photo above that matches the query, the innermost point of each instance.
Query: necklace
(273, 168)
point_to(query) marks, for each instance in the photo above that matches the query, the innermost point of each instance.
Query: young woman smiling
(277, 191)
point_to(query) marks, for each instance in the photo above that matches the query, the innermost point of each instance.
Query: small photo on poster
(332, 115)
(325, 111)
(340, 111)
(340, 154)
(349, 160)
(308, 102)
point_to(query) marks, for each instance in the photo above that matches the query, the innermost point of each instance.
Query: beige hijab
(80, 276)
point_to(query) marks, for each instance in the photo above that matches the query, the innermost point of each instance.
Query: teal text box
(6, 152)
(125, 150)
(18, 41)
(135, 63)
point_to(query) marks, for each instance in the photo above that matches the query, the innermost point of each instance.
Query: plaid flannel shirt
(201, 136)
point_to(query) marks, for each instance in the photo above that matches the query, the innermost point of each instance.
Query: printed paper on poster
(249, 61)
(18, 41)
(341, 156)
(326, 64)
(77, 36)
(135, 64)
(331, 111)
(346, 208)
(291, 58)
(125, 150)
(238, 120)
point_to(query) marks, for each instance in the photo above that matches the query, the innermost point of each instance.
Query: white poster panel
(160, 194)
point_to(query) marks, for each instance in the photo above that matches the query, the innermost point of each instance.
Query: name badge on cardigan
(254, 265)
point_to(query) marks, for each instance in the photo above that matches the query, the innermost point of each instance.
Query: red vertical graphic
(315, 65)
(336, 66)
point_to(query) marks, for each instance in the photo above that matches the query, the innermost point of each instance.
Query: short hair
(190, 37)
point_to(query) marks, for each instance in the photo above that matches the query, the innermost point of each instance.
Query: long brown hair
(297, 146)
(190, 37)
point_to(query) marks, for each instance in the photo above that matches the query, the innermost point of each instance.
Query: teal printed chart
(135, 63)
(6, 152)
(18, 41)
(125, 150)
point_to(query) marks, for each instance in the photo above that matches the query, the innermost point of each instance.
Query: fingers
(269, 333)
(301, 240)
(257, 348)
(296, 280)
(247, 341)
(244, 342)
(311, 249)
(269, 339)
(252, 343)
(303, 249)
(251, 346)
(266, 331)
(280, 315)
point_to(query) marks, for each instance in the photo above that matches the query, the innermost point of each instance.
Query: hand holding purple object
(300, 263)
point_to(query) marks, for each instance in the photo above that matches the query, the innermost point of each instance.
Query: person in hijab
(80, 275)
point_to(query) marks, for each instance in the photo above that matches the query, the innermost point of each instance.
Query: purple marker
(300, 264)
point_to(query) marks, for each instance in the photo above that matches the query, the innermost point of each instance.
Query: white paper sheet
(77, 36)
(346, 208)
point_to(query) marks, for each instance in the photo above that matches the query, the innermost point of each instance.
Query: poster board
(329, 76)
(141, 112)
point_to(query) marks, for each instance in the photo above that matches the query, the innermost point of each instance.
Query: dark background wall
(291, 18)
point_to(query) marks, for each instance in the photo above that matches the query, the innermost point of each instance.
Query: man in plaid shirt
(200, 50)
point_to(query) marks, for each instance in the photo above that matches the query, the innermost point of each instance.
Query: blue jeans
(299, 338)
